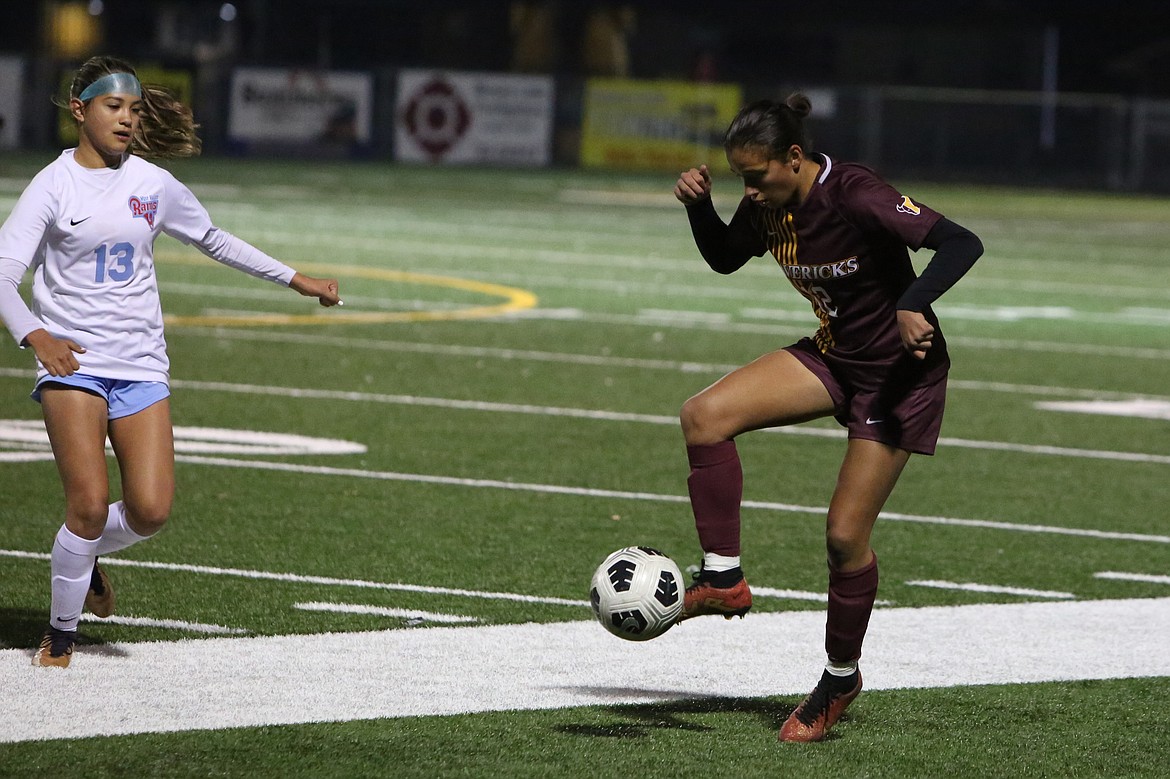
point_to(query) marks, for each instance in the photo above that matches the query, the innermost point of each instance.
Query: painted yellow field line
(513, 299)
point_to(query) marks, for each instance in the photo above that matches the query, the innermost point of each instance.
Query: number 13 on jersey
(115, 263)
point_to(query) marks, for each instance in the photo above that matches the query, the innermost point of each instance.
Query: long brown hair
(166, 128)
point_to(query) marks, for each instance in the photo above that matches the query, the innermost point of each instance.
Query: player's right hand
(693, 185)
(56, 354)
(325, 290)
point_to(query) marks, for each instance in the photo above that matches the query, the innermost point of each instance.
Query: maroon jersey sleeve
(874, 206)
(725, 247)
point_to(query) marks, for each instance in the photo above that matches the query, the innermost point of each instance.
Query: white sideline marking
(1044, 389)
(555, 489)
(588, 492)
(251, 682)
(573, 358)
(170, 624)
(621, 416)
(382, 611)
(197, 440)
(817, 597)
(1144, 409)
(762, 592)
(25, 457)
(991, 588)
(1133, 577)
(303, 579)
(772, 592)
(1123, 404)
(664, 315)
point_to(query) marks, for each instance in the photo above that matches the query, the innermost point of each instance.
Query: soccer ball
(637, 593)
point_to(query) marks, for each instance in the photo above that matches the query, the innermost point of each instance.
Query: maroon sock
(716, 488)
(851, 597)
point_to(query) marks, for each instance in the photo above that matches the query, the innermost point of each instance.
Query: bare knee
(847, 546)
(146, 517)
(700, 422)
(85, 515)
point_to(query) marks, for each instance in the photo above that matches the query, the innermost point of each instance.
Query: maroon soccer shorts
(905, 413)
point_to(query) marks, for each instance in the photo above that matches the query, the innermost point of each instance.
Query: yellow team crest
(908, 206)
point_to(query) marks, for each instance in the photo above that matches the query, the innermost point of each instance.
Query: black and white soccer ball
(637, 593)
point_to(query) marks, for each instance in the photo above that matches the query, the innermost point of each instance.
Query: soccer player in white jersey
(85, 227)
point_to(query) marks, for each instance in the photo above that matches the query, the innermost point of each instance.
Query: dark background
(1073, 94)
(1120, 47)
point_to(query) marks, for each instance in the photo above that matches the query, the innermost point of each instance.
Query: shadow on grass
(23, 628)
(642, 719)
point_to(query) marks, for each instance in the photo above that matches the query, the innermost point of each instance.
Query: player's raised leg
(775, 389)
(144, 444)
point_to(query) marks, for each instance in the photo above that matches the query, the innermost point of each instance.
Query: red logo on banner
(436, 117)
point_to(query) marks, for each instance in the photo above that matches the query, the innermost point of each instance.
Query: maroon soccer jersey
(845, 249)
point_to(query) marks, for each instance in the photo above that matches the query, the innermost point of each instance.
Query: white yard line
(169, 624)
(623, 416)
(296, 578)
(251, 682)
(556, 489)
(1149, 578)
(1140, 409)
(410, 615)
(320, 470)
(991, 588)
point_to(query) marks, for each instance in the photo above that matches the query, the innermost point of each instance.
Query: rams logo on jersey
(146, 207)
(907, 206)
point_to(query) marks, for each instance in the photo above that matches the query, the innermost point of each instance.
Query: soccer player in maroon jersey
(878, 363)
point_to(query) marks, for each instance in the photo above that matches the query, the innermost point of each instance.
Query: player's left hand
(325, 290)
(916, 333)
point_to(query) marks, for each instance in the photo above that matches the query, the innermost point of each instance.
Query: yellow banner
(655, 125)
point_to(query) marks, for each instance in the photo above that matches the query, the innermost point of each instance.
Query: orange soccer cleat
(705, 597)
(817, 713)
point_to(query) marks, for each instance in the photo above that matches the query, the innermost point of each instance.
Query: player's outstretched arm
(325, 290)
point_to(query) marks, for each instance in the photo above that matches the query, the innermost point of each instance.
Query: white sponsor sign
(301, 106)
(11, 83)
(476, 118)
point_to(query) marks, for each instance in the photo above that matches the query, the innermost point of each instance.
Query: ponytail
(771, 125)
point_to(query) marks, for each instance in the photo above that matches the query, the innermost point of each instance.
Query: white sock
(71, 564)
(718, 562)
(841, 669)
(117, 534)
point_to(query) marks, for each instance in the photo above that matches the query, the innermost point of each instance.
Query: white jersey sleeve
(188, 221)
(16, 315)
(21, 239)
(86, 236)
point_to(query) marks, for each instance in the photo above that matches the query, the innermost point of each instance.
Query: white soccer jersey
(88, 236)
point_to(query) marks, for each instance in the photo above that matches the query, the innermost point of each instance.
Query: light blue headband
(112, 84)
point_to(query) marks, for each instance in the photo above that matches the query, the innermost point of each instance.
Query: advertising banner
(655, 125)
(11, 82)
(473, 118)
(300, 107)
